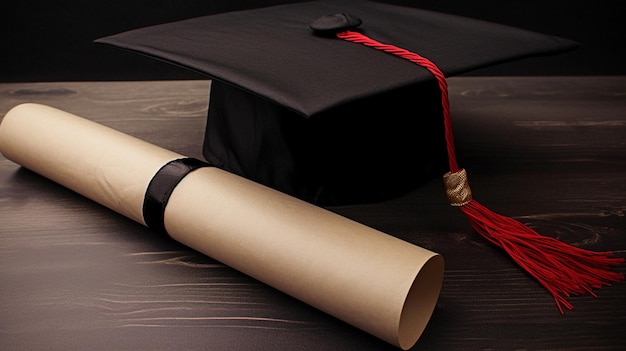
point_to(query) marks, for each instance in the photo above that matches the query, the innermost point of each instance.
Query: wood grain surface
(549, 151)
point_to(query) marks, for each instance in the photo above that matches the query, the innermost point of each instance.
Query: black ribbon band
(161, 187)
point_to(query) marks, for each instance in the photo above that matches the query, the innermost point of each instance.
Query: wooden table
(548, 151)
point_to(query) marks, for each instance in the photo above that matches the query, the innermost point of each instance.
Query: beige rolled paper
(371, 280)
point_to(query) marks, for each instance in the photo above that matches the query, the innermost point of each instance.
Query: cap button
(335, 23)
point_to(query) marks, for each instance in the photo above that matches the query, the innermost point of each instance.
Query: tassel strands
(564, 270)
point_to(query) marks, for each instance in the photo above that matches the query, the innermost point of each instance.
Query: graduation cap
(321, 119)
(346, 102)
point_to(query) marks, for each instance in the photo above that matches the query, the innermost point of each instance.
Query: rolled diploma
(371, 280)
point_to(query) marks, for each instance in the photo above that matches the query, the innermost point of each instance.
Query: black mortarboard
(321, 119)
(344, 102)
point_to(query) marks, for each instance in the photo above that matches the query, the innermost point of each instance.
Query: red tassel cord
(564, 270)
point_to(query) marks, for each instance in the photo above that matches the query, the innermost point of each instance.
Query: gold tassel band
(457, 188)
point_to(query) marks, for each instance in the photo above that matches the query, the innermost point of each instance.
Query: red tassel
(564, 270)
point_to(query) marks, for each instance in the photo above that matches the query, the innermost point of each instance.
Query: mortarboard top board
(328, 121)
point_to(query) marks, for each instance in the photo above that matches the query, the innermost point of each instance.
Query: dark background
(52, 40)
